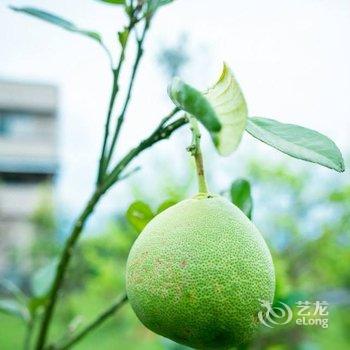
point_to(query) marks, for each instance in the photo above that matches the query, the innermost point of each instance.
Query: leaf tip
(173, 89)
(341, 167)
(342, 163)
(225, 66)
(224, 72)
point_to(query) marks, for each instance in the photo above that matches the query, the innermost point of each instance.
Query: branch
(109, 55)
(93, 325)
(121, 117)
(129, 173)
(106, 132)
(168, 117)
(28, 334)
(115, 89)
(62, 267)
(161, 133)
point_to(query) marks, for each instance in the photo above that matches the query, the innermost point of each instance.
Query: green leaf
(14, 308)
(15, 291)
(165, 2)
(241, 196)
(35, 303)
(123, 37)
(193, 102)
(221, 109)
(229, 104)
(165, 205)
(139, 214)
(58, 21)
(114, 2)
(154, 4)
(43, 278)
(297, 141)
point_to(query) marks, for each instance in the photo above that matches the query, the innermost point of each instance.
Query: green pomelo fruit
(197, 273)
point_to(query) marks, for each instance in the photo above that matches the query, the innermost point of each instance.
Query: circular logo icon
(277, 315)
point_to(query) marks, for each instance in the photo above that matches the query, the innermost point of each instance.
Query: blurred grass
(111, 335)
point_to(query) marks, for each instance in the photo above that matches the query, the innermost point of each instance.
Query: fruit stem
(195, 150)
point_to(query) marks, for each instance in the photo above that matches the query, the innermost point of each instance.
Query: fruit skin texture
(197, 272)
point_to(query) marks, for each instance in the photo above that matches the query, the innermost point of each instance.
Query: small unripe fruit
(197, 273)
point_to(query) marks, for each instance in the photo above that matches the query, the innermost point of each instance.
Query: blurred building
(28, 161)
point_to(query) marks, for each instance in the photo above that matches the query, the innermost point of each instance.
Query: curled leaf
(221, 109)
(193, 102)
(230, 107)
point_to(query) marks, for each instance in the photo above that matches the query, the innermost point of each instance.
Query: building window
(22, 125)
(3, 125)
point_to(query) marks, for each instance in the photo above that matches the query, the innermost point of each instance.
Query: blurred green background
(306, 223)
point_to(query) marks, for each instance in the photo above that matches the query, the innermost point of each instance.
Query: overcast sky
(290, 57)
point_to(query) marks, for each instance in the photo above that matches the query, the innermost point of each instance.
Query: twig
(159, 134)
(109, 55)
(93, 325)
(129, 173)
(115, 89)
(61, 269)
(168, 117)
(106, 132)
(28, 334)
(121, 117)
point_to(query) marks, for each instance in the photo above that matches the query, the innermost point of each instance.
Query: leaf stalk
(196, 152)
